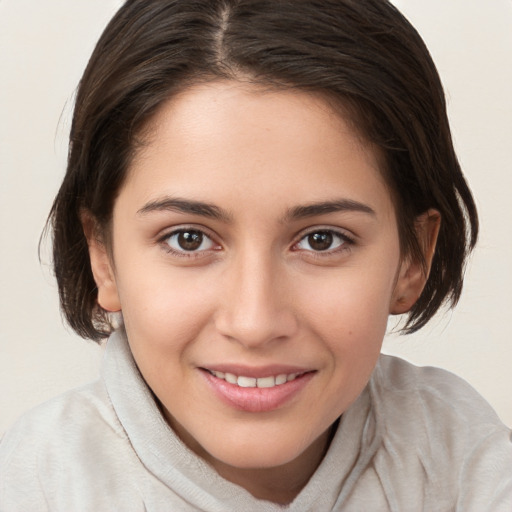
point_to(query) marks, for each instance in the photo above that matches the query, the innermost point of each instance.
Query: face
(255, 258)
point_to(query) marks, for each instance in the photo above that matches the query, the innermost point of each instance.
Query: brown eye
(323, 240)
(189, 240)
(320, 241)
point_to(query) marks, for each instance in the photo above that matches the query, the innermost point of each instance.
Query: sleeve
(20, 487)
(464, 449)
(486, 476)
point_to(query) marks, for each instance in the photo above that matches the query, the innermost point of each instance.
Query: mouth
(244, 381)
(262, 391)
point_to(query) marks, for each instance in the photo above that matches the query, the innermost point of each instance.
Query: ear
(101, 265)
(413, 274)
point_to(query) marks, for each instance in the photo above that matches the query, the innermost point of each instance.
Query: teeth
(232, 379)
(246, 382)
(251, 382)
(266, 382)
(281, 379)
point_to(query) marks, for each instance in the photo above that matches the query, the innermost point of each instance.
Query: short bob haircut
(361, 55)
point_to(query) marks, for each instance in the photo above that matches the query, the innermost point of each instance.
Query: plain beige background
(44, 46)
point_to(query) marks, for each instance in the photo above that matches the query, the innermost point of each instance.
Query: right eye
(184, 241)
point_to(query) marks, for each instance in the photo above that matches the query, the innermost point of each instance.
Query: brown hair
(363, 53)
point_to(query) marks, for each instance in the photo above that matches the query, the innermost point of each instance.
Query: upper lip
(256, 371)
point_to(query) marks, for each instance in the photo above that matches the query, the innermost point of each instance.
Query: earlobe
(413, 274)
(101, 265)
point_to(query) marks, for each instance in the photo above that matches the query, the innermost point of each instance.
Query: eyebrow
(325, 207)
(212, 211)
(185, 206)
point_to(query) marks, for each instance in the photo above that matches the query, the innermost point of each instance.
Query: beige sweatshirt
(417, 439)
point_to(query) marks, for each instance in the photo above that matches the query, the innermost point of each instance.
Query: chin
(268, 449)
(251, 456)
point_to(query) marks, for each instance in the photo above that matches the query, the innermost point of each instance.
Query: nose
(257, 303)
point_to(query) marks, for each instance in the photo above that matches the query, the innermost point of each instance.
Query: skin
(257, 291)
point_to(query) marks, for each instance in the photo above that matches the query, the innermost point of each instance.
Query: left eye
(189, 240)
(319, 241)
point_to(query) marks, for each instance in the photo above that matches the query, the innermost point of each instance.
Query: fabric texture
(417, 439)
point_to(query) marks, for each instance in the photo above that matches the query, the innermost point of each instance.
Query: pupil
(320, 241)
(190, 240)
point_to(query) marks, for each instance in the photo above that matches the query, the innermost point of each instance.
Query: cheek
(163, 309)
(349, 303)
(349, 313)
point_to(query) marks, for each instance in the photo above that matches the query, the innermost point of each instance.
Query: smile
(253, 382)
(263, 390)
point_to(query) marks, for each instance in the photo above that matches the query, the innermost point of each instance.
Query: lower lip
(257, 399)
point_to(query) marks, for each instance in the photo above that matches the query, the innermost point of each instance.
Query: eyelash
(164, 241)
(345, 242)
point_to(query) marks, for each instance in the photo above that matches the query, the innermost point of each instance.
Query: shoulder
(435, 423)
(60, 419)
(59, 443)
(432, 390)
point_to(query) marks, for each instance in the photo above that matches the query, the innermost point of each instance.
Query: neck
(279, 484)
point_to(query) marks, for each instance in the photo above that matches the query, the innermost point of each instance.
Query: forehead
(224, 138)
